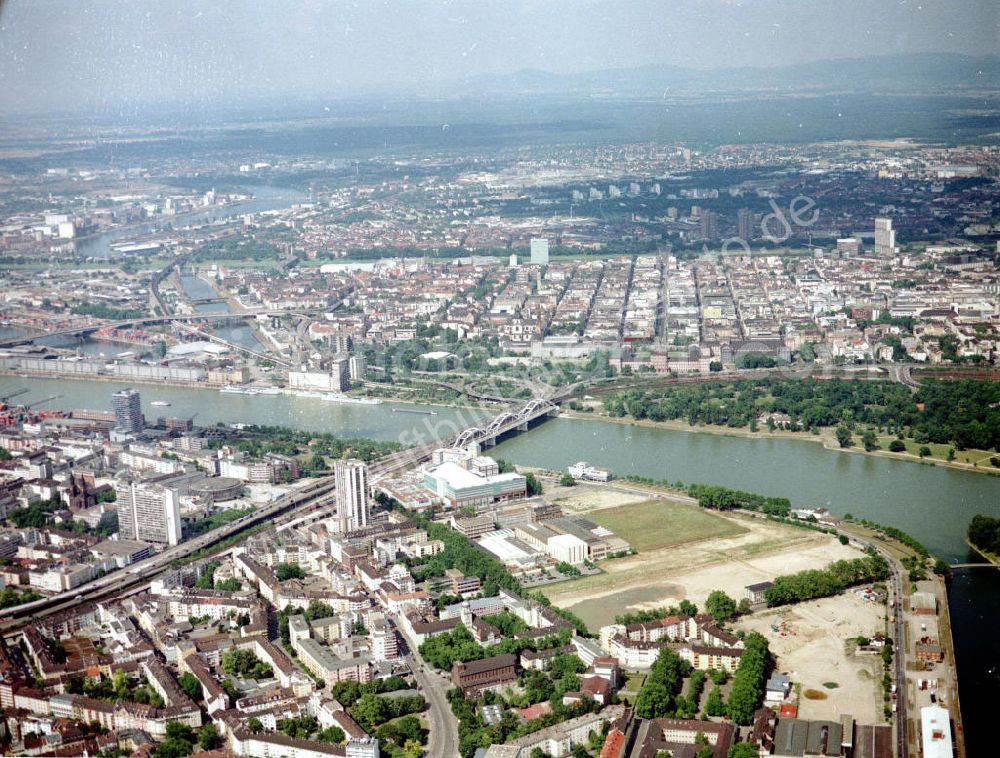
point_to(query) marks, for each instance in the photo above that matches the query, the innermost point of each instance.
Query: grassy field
(940, 451)
(656, 524)
(630, 690)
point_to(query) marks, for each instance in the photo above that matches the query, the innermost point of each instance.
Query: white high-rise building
(351, 477)
(149, 512)
(383, 639)
(358, 367)
(540, 251)
(128, 411)
(885, 238)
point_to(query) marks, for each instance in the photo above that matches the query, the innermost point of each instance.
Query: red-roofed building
(614, 744)
(788, 711)
(598, 688)
(535, 711)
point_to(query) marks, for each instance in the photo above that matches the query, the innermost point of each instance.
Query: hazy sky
(107, 53)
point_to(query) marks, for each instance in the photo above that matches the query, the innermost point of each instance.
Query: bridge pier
(522, 427)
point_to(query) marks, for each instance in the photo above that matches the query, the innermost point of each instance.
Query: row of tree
(835, 578)
(748, 681)
(722, 498)
(659, 693)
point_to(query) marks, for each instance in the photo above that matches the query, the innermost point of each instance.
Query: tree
(190, 684)
(720, 605)
(924, 452)
(371, 709)
(897, 446)
(657, 694)
(286, 571)
(714, 705)
(686, 607)
(254, 725)
(333, 735)
(208, 737)
(533, 485)
(844, 437)
(743, 750)
(869, 441)
(567, 480)
(180, 731)
(119, 681)
(748, 682)
(245, 663)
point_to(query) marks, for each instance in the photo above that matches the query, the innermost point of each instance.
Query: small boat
(415, 410)
(334, 397)
(160, 403)
(230, 389)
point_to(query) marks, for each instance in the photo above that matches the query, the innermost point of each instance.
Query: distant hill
(892, 72)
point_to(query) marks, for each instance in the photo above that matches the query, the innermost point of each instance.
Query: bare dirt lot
(691, 571)
(811, 648)
(581, 498)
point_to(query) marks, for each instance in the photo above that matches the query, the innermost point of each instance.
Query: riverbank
(827, 438)
(951, 658)
(994, 559)
(389, 398)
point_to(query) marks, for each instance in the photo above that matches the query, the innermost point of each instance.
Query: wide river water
(932, 503)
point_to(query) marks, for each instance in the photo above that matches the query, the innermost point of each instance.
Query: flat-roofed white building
(935, 732)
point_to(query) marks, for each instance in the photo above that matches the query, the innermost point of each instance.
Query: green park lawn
(658, 523)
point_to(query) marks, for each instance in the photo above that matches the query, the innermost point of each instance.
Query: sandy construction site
(811, 648)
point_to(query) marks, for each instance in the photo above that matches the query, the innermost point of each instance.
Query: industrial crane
(43, 402)
(15, 393)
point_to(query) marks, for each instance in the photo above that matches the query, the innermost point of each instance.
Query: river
(266, 198)
(209, 407)
(933, 503)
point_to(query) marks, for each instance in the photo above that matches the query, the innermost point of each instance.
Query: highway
(145, 570)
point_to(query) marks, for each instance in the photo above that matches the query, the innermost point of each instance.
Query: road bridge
(487, 434)
(231, 345)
